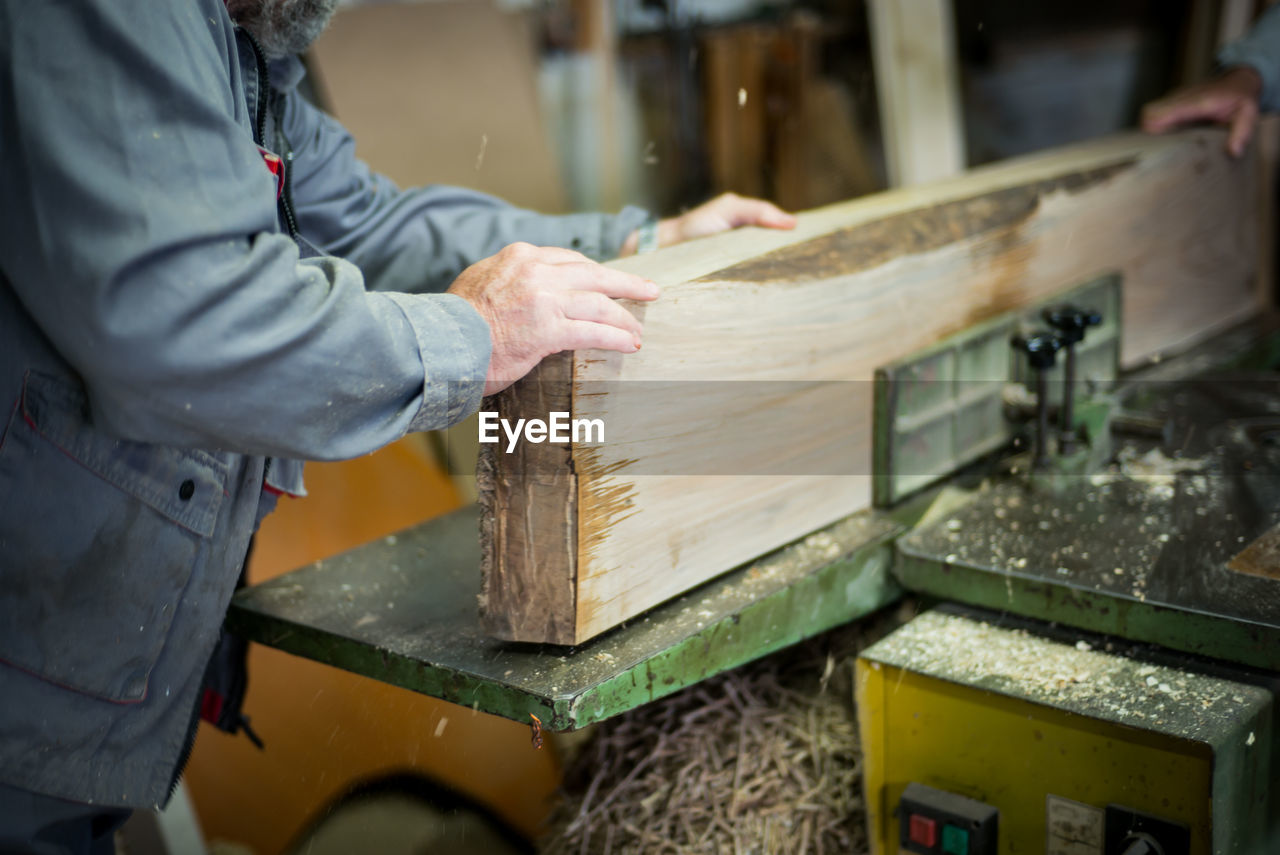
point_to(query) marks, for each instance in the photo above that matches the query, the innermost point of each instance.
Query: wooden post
(917, 81)
(597, 38)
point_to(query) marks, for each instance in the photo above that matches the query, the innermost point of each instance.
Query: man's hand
(542, 300)
(725, 212)
(1229, 99)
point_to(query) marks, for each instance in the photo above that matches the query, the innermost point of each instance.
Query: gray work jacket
(166, 327)
(1260, 50)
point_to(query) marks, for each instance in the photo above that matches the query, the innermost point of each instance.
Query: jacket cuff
(454, 343)
(619, 227)
(599, 236)
(1245, 53)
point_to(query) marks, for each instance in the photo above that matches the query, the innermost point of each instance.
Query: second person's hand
(1229, 99)
(721, 214)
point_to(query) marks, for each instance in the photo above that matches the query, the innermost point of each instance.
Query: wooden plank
(1234, 18)
(819, 153)
(1199, 42)
(735, 61)
(914, 48)
(597, 41)
(746, 420)
(1266, 150)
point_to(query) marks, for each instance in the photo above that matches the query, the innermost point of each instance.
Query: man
(1249, 82)
(201, 286)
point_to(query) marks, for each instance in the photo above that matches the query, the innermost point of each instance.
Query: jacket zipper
(264, 87)
(187, 746)
(286, 195)
(263, 111)
(265, 99)
(260, 132)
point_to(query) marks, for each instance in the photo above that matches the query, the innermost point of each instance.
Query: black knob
(1040, 347)
(1071, 322)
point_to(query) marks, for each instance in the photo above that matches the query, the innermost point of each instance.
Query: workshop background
(564, 105)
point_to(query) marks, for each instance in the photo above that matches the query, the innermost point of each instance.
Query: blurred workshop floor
(329, 732)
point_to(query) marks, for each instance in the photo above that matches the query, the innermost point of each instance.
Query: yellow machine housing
(1057, 736)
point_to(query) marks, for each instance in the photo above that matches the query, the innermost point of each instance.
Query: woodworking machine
(1103, 548)
(1129, 525)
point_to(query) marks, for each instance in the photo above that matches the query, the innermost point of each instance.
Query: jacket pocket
(98, 539)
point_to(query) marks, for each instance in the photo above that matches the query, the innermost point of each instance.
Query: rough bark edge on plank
(528, 589)
(855, 248)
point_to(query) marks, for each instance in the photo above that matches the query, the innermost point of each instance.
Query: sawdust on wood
(763, 759)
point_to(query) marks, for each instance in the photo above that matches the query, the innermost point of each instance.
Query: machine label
(1072, 828)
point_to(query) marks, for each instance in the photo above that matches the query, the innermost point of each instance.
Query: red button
(923, 830)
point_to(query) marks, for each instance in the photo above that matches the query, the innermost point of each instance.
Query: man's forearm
(419, 239)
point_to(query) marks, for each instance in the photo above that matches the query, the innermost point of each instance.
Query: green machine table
(403, 610)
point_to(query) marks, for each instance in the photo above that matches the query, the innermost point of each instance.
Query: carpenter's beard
(282, 27)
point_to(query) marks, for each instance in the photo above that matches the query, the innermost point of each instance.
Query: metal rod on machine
(1041, 459)
(1041, 348)
(1071, 323)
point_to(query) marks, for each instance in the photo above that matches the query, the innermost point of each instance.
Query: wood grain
(745, 422)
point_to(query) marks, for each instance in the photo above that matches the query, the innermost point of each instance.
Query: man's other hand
(726, 211)
(542, 300)
(1229, 99)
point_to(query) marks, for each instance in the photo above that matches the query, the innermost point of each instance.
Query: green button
(955, 841)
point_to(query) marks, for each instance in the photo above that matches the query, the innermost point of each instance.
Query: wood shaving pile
(761, 760)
